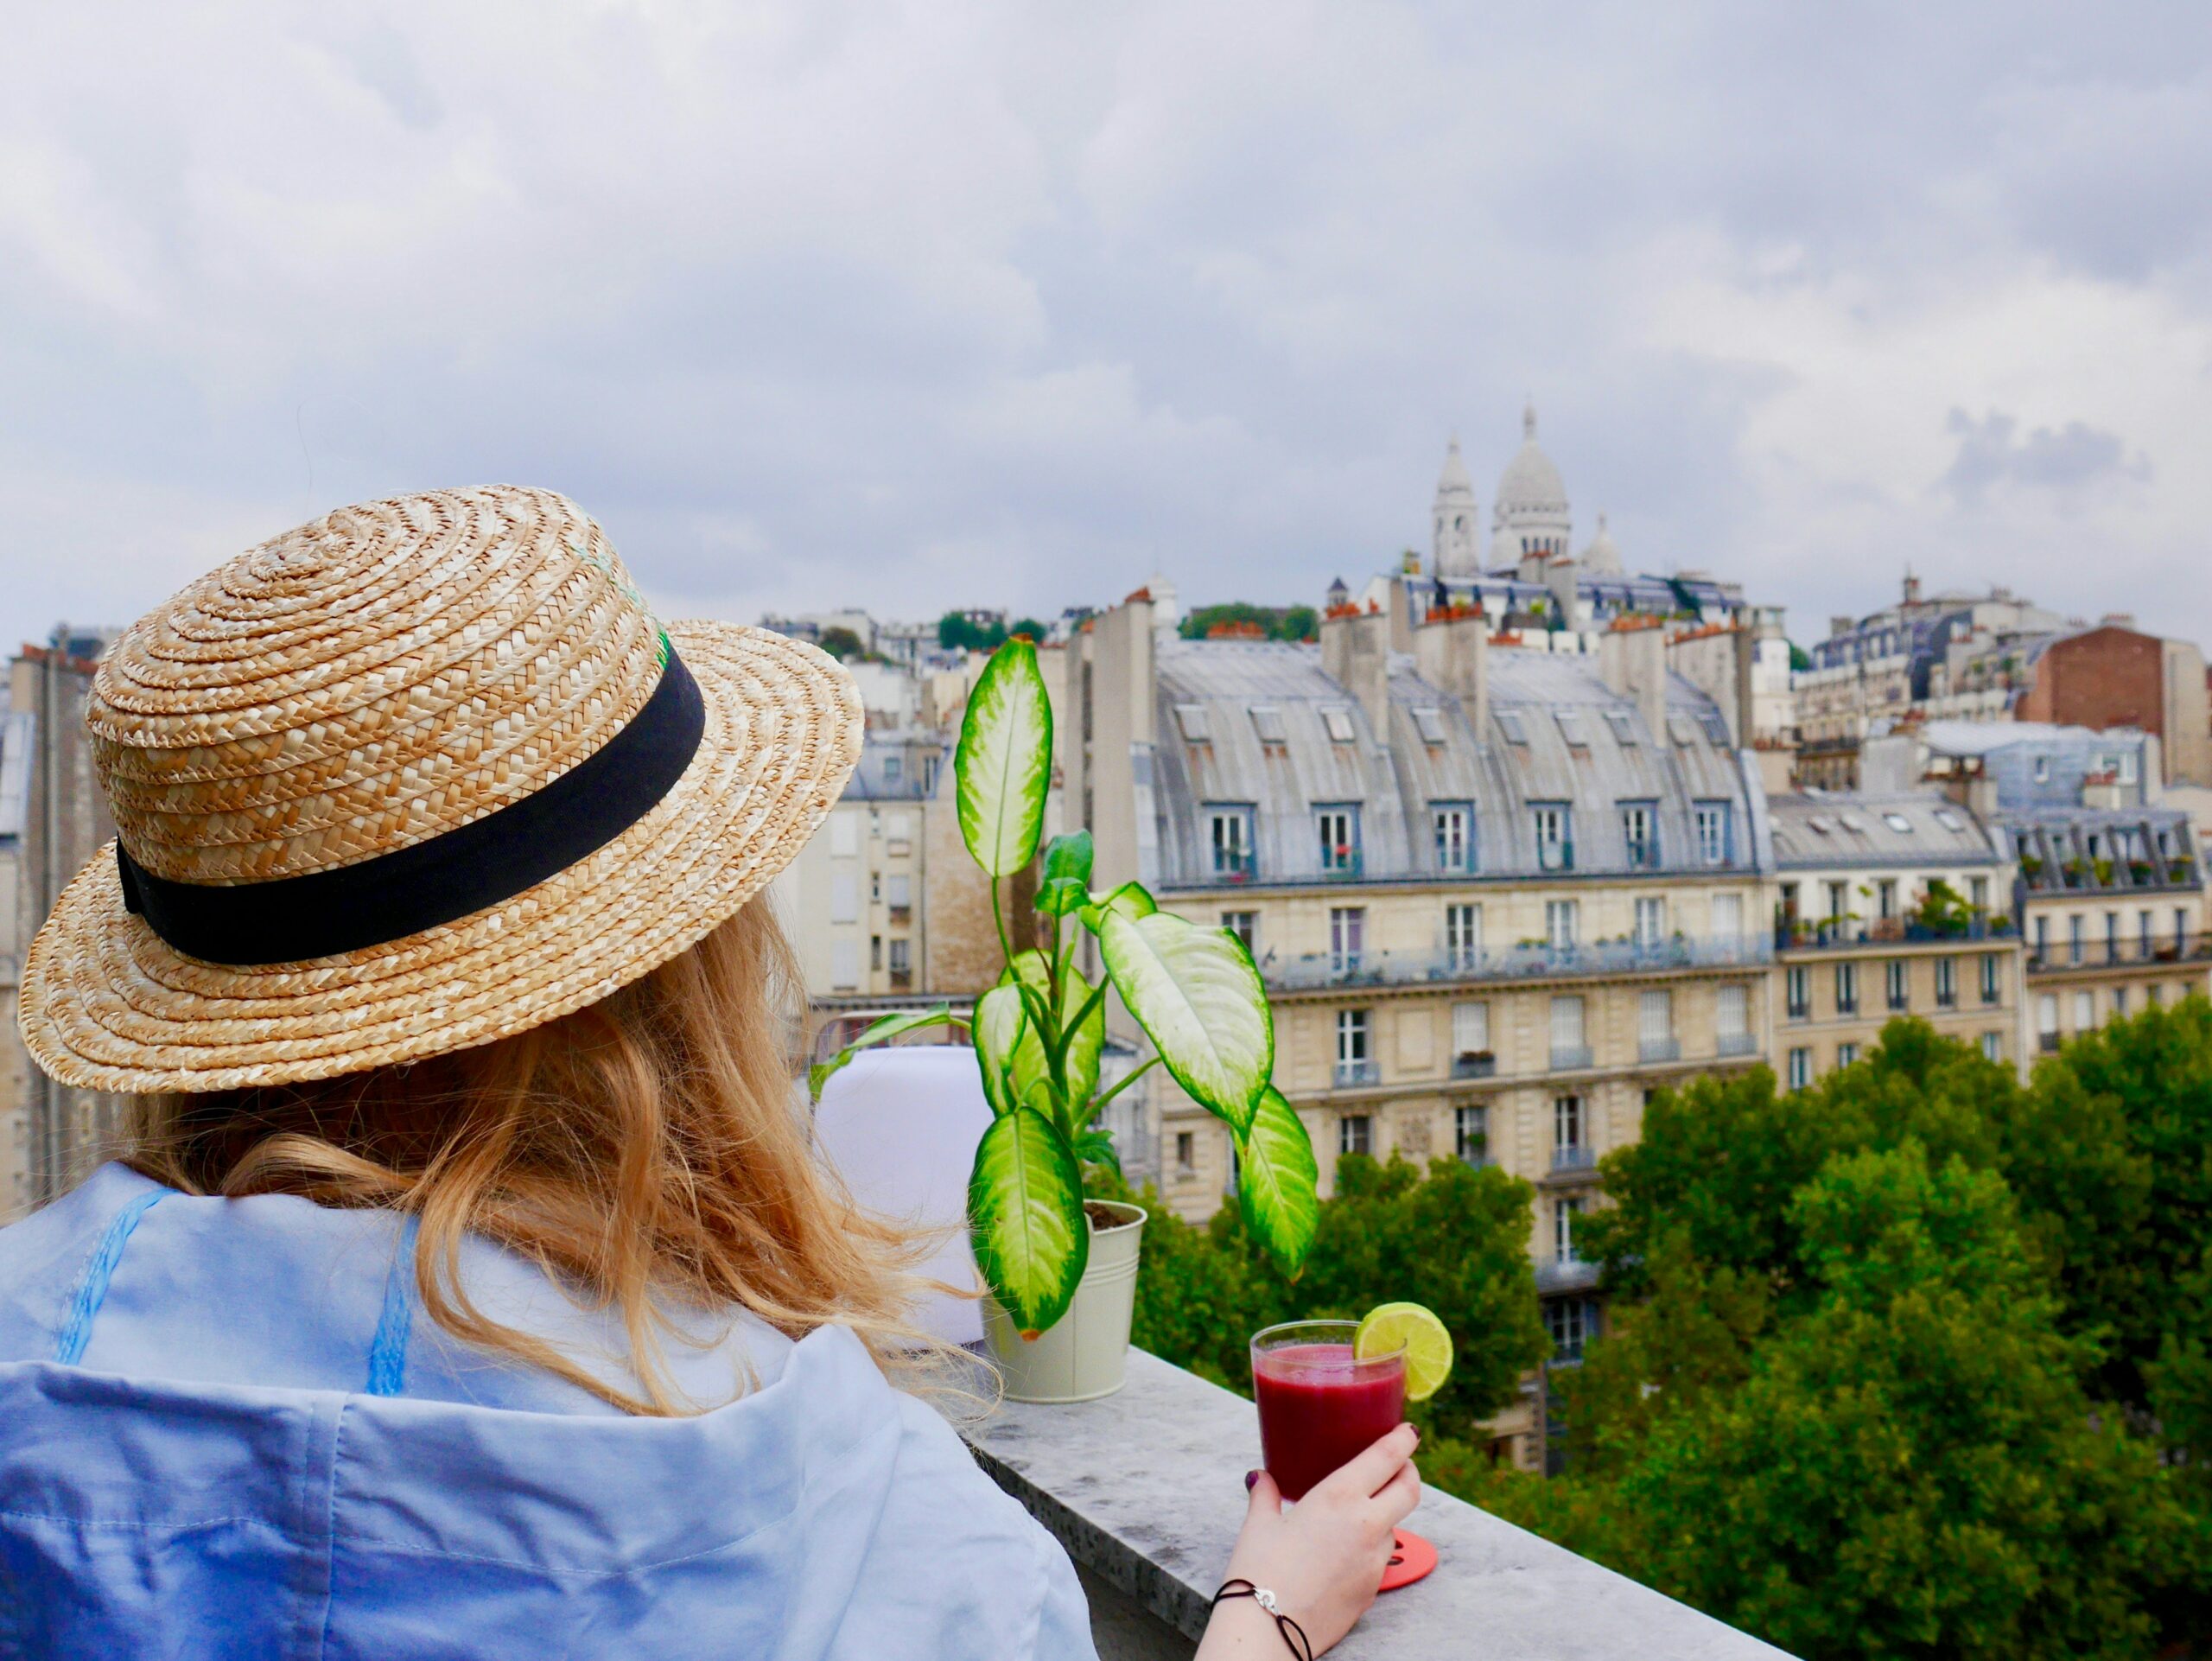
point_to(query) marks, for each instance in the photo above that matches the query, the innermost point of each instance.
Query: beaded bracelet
(1293, 1633)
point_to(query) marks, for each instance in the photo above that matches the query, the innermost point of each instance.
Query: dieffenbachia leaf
(1095, 1146)
(1198, 998)
(1025, 1209)
(880, 1032)
(1004, 762)
(1066, 881)
(1088, 1041)
(1131, 899)
(1006, 1043)
(1275, 1182)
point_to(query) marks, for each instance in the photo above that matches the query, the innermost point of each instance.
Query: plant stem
(1121, 1084)
(998, 917)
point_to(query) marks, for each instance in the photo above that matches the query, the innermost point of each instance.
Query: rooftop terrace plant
(1041, 1032)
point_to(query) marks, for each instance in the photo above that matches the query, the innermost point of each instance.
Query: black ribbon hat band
(321, 914)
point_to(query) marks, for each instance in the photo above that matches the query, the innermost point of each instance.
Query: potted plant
(1060, 1270)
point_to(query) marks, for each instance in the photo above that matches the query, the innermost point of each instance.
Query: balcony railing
(2047, 1042)
(1554, 855)
(1566, 1273)
(1805, 935)
(1736, 1044)
(1531, 960)
(1570, 1058)
(1146, 1490)
(1659, 1049)
(2192, 947)
(1479, 1064)
(1574, 1156)
(1357, 1075)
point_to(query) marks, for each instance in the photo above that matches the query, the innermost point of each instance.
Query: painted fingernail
(1251, 1480)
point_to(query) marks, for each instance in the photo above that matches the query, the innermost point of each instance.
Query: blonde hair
(641, 1149)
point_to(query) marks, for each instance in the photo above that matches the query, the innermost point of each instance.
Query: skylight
(1623, 726)
(1570, 727)
(1338, 721)
(1429, 721)
(1508, 723)
(1949, 820)
(1267, 721)
(1191, 718)
(1684, 729)
(1897, 821)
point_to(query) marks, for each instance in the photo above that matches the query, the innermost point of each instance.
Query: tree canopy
(1273, 622)
(957, 631)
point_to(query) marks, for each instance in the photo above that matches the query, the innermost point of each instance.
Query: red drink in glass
(1318, 1406)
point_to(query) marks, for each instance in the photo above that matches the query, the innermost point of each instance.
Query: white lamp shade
(899, 1128)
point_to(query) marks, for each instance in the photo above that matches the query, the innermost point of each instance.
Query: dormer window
(1336, 720)
(1428, 722)
(1508, 723)
(1623, 726)
(1683, 730)
(1570, 729)
(1267, 721)
(1191, 718)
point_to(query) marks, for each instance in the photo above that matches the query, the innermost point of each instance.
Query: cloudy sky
(812, 302)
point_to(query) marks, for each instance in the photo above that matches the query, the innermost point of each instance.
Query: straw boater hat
(416, 776)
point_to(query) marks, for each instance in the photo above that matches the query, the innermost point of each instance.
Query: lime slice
(1428, 1346)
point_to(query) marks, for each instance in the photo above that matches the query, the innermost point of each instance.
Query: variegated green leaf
(1095, 1146)
(880, 1032)
(1088, 1041)
(1198, 998)
(1065, 883)
(1005, 1042)
(1025, 1208)
(1131, 899)
(1004, 763)
(1275, 1182)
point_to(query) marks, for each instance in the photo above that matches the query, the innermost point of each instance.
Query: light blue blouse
(226, 1431)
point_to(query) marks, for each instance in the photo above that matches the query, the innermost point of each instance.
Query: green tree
(841, 643)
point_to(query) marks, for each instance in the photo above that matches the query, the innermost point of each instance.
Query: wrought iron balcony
(1570, 1058)
(1574, 1156)
(1358, 1075)
(1736, 1044)
(1805, 934)
(2190, 947)
(1566, 1273)
(1476, 1064)
(1531, 960)
(1659, 1049)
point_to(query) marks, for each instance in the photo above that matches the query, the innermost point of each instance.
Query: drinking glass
(1320, 1406)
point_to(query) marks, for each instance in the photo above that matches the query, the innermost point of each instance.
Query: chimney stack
(1632, 660)
(1355, 654)
(1452, 651)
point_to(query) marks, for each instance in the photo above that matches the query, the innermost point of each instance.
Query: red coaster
(1411, 1558)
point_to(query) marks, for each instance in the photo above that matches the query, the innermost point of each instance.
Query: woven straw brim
(107, 1005)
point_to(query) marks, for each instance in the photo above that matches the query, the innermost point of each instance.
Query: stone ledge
(1146, 1490)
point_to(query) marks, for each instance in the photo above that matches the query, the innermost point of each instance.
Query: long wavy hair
(643, 1150)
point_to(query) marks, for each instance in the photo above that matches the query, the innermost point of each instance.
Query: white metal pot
(1085, 1353)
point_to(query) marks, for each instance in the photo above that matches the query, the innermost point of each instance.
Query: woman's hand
(1323, 1559)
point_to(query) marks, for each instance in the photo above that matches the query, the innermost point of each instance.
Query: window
(844, 898)
(1355, 1134)
(2120, 1003)
(1991, 984)
(1800, 992)
(1428, 722)
(1713, 832)
(1565, 1210)
(1728, 916)
(1839, 901)
(1847, 989)
(1566, 1122)
(1894, 977)
(844, 836)
(2085, 1010)
(899, 891)
(1267, 722)
(2074, 939)
(2181, 927)
(1561, 921)
(2043, 938)
(1801, 1068)
(902, 956)
(1191, 718)
(1898, 822)
(1187, 1152)
(1508, 723)
(845, 964)
(2111, 936)
(1347, 936)
(1992, 1046)
(1732, 1015)
(1471, 1134)
(1716, 729)
(1951, 821)
(1947, 983)
(1339, 829)
(1846, 1054)
(1336, 721)
(898, 828)
(1553, 824)
(1623, 726)
(2043, 769)
(1640, 829)
(1682, 729)
(1245, 926)
(1454, 823)
(1885, 897)
(1651, 921)
(2158, 997)
(1977, 893)
(1570, 729)
(1568, 1049)
(2047, 1022)
(1470, 1029)
(1655, 1026)
(1571, 1323)
(892, 766)
(1229, 836)
(2146, 927)
(1462, 936)
(1354, 1064)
